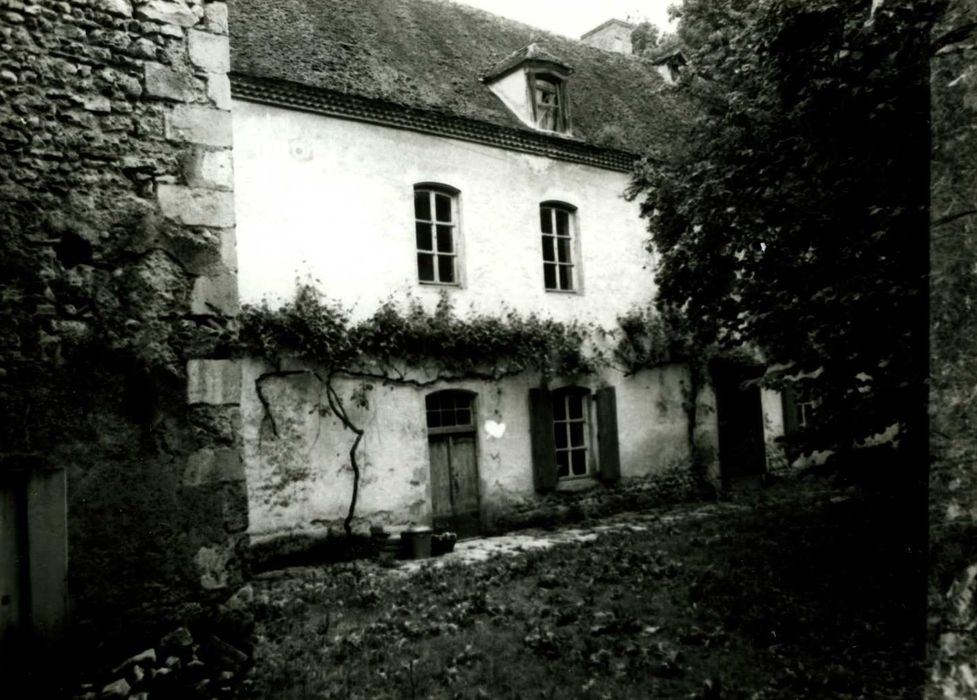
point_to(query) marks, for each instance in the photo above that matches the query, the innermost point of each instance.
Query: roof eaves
(282, 93)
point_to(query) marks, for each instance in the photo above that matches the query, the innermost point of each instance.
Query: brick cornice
(283, 93)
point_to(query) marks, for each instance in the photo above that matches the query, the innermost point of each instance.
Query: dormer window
(548, 102)
(532, 83)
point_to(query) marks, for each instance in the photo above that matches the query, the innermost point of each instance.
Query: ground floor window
(571, 432)
(574, 435)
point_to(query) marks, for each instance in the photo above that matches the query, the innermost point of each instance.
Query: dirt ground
(801, 591)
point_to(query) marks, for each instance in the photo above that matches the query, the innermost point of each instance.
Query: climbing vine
(402, 343)
(405, 344)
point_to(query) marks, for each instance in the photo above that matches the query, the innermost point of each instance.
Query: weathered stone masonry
(117, 298)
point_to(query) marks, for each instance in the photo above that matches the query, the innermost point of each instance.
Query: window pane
(562, 249)
(463, 416)
(446, 268)
(422, 204)
(442, 205)
(549, 276)
(562, 463)
(434, 419)
(423, 236)
(425, 267)
(446, 239)
(562, 223)
(432, 402)
(545, 220)
(560, 435)
(548, 249)
(546, 118)
(576, 406)
(559, 408)
(578, 461)
(576, 434)
(448, 418)
(566, 277)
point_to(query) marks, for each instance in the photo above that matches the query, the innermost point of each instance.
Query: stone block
(214, 382)
(215, 294)
(234, 507)
(212, 169)
(174, 12)
(213, 466)
(97, 103)
(209, 51)
(229, 248)
(196, 207)
(219, 90)
(215, 15)
(212, 566)
(199, 124)
(163, 81)
(116, 7)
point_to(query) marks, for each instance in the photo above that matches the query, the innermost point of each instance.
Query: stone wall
(117, 297)
(953, 362)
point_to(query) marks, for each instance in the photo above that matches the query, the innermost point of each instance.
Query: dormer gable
(532, 84)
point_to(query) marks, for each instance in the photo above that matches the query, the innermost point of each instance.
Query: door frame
(728, 379)
(468, 430)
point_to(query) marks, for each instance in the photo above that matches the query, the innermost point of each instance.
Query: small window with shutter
(563, 431)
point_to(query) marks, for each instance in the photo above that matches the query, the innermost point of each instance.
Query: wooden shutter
(610, 453)
(789, 402)
(543, 444)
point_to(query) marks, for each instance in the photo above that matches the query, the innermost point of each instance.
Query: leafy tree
(791, 217)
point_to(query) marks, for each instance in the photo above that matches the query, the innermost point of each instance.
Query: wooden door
(454, 464)
(13, 574)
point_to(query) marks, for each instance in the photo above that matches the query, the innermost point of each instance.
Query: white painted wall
(332, 200)
(299, 480)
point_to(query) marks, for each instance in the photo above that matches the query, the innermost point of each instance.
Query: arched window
(436, 233)
(557, 222)
(450, 410)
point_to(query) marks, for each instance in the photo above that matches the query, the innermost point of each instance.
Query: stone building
(122, 497)
(427, 150)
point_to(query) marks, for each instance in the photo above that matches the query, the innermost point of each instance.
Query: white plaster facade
(300, 481)
(330, 201)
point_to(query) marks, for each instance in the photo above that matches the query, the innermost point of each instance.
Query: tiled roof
(428, 55)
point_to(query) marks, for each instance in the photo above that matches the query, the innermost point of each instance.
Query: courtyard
(799, 591)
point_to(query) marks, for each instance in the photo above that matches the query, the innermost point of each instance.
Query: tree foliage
(792, 216)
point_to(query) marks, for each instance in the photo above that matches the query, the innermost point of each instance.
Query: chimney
(612, 35)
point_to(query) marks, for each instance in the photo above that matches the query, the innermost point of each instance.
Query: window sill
(577, 292)
(576, 483)
(454, 285)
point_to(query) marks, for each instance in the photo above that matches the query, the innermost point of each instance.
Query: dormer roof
(535, 54)
(428, 57)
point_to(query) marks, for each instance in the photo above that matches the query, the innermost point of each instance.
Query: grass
(804, 596)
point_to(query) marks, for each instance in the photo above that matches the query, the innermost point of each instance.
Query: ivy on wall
(396, 339)
(408, 345)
